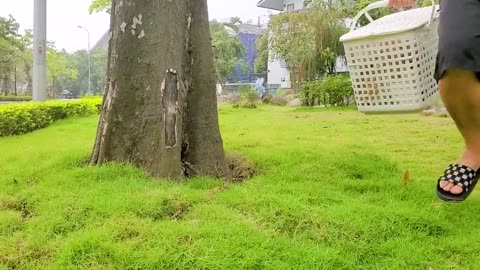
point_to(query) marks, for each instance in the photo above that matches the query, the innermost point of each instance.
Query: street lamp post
(40, 50)
(89, 62)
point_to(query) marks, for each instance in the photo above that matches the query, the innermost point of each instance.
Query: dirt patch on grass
(20, 254)
(185, 240)
(127, 233)
(168, 209)
(366, 166)
(25, 208)
(242, 169)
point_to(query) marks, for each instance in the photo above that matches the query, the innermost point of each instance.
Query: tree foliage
(79, 61)
(9, 45)
(309, 40)
(100, 6)
(99, 69)
(58, 69)
(64, 70)
(261, 63)
(228, 51)
(26, 57)
(15, 56)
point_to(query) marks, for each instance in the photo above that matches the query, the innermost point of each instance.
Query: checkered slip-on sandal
(460, 175)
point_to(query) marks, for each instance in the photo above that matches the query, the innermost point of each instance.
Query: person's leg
(460, 92)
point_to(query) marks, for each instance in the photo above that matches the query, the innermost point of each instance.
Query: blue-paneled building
(248, 35)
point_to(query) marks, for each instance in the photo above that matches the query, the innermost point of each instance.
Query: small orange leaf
(406, 178)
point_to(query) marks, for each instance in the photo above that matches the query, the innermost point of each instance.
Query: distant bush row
(22, 118)
(15, 98)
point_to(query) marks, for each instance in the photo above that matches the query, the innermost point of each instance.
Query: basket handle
(381, 4)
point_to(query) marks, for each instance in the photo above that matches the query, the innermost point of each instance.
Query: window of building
(290, 7)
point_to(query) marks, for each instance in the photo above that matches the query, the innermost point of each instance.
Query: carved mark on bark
(170, 104)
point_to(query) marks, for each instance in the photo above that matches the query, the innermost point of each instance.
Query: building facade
(248, 35)
(282, 5)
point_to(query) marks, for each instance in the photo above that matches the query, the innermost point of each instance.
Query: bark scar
(170, 101)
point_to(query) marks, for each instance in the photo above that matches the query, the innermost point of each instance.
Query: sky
(63, 17)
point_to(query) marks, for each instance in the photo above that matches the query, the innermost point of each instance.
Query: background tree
(99, 70)
(8, 51)
(65, 71)
(309, 41)
(79, 61)
(100, 6)
(160, 110)
(26, 58)
(261, 63)
(57, 70)
(228, 51)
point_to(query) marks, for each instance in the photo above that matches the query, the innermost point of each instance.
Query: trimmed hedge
(335, 90)
(15, 98)
(16, 119)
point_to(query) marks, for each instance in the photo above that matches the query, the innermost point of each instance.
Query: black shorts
(459, 33)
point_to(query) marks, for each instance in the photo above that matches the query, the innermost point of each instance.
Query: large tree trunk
(159, 110)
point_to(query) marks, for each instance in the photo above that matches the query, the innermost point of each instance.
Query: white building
(282, 5)
(278, 73)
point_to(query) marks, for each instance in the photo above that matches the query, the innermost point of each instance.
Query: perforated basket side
(393, 72)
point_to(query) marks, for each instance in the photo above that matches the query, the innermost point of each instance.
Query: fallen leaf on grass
(407, 178)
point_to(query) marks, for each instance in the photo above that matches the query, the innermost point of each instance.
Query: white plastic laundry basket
(392, 59)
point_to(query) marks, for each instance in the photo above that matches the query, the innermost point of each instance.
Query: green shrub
(248, 97)
(91, 97)
(335, 90)
(280, 92)
(96, 99)
(15, 98)
(311, 93)
(22, 118)
(338, 89)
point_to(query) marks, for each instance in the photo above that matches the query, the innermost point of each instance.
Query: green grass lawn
(330, 196)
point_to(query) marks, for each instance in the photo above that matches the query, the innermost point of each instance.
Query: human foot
(454, 180)
(459, 178)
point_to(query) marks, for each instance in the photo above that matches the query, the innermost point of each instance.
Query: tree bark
(5, 85)
(159, 110)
